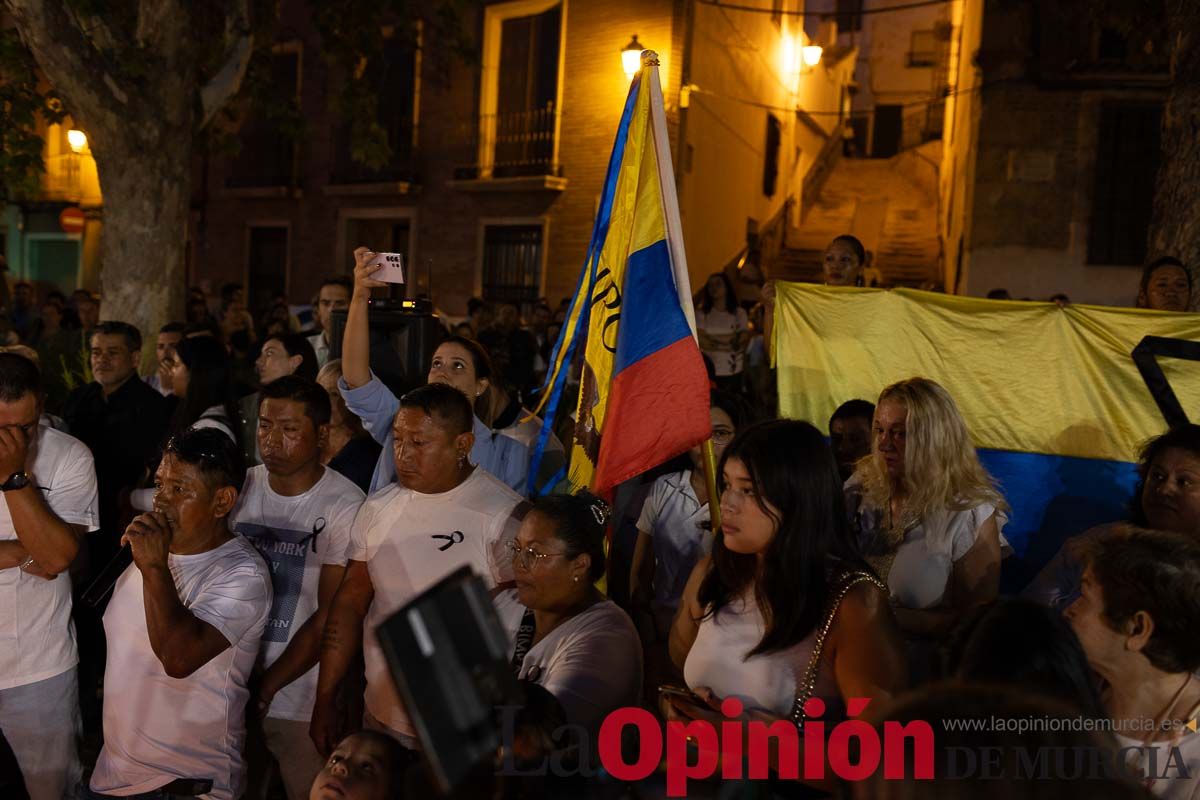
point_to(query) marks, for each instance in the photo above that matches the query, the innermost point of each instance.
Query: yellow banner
(1028, 377)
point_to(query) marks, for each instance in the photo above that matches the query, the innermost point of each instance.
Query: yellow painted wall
(739, 64)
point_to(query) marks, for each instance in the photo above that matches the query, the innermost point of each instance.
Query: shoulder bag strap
(807, 684)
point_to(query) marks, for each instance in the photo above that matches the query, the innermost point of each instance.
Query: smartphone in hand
(392, 267)
(681, 695)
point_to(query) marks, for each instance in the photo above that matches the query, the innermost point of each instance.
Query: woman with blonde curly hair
(927, 515)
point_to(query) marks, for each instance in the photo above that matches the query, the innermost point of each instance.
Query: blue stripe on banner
(583, 292)
(649, 307)
(1055, 497)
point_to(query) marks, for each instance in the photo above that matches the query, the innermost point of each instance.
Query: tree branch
(69, 61)
(239, 46)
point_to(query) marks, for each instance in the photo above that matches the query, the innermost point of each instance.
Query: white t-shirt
(296, 536)
(158, 728)
(216, 418)
(721, 323)
(673, 518)
(592, 663)
(37, 640)
(410, 541)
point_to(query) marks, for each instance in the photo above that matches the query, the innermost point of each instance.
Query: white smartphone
(392, 270)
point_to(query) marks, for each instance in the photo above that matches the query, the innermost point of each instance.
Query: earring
(577, 579)
(462, 460)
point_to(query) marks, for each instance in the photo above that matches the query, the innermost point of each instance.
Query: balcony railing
(512, 144)
(61, 180)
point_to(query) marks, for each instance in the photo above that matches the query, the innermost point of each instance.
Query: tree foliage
(353, 33)
(22, 101)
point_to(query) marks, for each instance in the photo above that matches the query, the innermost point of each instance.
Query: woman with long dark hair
(203, 382)
(723, 330)
(785, 609)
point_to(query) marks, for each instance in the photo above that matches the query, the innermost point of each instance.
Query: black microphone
(102, 586)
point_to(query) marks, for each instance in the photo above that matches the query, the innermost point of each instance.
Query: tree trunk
(146, 196)
(1175, 224)
(141, 132)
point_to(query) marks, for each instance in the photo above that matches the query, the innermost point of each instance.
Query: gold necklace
(895, 533)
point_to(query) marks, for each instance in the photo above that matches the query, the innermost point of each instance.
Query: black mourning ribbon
(451, 539)
(524, 641)
(318, 526)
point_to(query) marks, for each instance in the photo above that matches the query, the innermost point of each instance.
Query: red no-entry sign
(71, 220)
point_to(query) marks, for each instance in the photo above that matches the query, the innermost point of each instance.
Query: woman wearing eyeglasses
(673, 534)
(579, 646)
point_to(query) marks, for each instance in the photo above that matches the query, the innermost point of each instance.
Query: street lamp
(631, 57)
(77, 139)
(812, 55)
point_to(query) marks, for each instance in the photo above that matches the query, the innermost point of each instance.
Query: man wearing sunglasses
(184, 627)
(49, 503)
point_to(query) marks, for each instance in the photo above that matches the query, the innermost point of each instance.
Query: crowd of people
(194, 561)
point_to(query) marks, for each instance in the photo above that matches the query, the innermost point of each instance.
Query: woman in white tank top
(751, 613)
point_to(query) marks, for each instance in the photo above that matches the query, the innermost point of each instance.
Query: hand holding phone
(391, 267)
(681, 697)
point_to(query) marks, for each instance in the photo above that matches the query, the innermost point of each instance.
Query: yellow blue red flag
(1058, 399)
(644, 389)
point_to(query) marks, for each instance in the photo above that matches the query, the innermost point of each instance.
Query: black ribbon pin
(451, 539)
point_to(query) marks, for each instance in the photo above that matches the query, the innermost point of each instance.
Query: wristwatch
(18, 480)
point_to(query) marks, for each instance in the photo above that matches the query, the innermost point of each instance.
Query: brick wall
(446, 230)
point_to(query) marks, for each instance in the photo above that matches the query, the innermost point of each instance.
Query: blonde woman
(926, 513)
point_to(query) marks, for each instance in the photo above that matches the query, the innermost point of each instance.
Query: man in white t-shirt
(444, 513)
(298, 514)
(50, 503)
(184, 627)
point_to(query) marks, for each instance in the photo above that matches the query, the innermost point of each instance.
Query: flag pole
(678, 257)
(710, 479)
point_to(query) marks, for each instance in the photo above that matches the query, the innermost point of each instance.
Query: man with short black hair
(298, 514)
(333, 295)
(49, 504)
(442, 514)
(169, 336)
(121, 420)
(850, 434)
(184, 627)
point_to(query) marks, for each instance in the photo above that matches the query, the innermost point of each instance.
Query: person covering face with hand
(49, 503)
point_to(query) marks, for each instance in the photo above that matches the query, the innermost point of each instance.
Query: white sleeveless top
(765, 682)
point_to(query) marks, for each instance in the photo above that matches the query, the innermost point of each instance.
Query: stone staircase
(889, 204)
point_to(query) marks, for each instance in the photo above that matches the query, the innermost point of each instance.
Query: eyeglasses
(526, 557)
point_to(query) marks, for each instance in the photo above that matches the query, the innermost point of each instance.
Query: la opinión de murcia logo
(737, 744)
(853, 750)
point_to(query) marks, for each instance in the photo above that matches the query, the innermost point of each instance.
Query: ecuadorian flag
(1059, 400)
(644, 390)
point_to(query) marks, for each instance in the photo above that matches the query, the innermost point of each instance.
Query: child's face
(357, 770)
